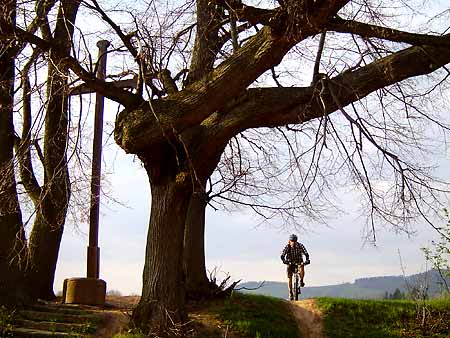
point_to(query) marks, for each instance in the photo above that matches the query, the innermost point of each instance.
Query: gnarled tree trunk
(161, 309)
(198, 285)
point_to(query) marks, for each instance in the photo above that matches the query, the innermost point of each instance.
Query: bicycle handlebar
(304, 263)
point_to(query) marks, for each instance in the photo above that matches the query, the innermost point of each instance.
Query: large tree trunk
(51, 212)
(161, 308)
(12, 236)
(52, 206)
(197, 282)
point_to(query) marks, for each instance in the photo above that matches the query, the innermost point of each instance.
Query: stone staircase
(62, 320)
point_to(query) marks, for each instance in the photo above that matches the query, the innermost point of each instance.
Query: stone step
(30, 333)
(58, 317)
(63, 308)
(55, 326)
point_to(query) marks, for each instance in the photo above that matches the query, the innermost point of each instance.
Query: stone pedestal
(88, 291)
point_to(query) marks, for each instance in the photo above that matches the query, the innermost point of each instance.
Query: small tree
(397, 294)
(439, 254)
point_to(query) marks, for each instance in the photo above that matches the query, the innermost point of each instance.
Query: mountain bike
(296, 287)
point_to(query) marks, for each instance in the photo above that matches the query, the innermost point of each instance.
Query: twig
(251, 289)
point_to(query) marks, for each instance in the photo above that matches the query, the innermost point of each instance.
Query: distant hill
(362, 288)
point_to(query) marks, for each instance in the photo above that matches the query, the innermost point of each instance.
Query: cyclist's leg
(301, 267)
(289, 275)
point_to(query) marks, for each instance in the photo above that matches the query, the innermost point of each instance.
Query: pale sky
(234, 242)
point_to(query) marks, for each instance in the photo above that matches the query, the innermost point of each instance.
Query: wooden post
(91, 290)
(93, 253)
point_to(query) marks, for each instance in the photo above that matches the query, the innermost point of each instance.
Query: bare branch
(296, 105)
(23, 146)
(372, 31)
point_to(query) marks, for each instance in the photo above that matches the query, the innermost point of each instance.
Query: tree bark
(161, 309)
(12, 235)
(48, 227)
(206, 45)
(198, 285)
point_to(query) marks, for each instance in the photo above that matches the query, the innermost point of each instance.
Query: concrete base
(88, 291)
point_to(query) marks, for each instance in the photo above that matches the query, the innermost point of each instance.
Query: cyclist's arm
(283, 254)
(305, 252)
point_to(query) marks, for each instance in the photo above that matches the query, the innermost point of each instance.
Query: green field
(345, 318)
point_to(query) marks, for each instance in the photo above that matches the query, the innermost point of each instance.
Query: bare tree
(51, 207)
(179, 123)
(50, 199)
(12, 235)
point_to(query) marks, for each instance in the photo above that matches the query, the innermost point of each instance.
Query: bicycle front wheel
(296, 287)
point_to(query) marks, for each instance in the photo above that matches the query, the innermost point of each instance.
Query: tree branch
(268, 107)
(207, 40)
(137, 130)
(318, 57)
(126, 38)
(107, 89)
(247, 13)
(23, 145)
(372, 31)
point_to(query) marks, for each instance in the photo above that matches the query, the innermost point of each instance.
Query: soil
(122, 302)
(117, 319)
(114, 322)
(309, 318)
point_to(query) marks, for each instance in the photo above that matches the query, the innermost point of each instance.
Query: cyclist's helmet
(293, 238)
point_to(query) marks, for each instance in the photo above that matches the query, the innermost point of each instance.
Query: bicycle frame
(296, 289)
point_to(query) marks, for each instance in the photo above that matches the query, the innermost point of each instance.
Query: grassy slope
(241, 316)
(258, 316)
(344, 318)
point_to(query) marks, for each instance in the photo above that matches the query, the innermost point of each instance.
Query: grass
(256, 316)
(346, 318)
(241, 316)
(6, 321)
(88, 328)
(130, 335)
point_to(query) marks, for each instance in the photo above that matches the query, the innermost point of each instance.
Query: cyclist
(293, 255)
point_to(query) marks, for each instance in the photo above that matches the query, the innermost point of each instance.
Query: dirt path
(116, 320)
(113, 322)
(309, 318)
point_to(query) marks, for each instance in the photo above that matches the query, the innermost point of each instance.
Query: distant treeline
(386, 287)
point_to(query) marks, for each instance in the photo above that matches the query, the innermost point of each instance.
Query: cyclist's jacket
(293, 254)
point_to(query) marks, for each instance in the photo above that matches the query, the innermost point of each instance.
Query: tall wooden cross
(93, 251)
